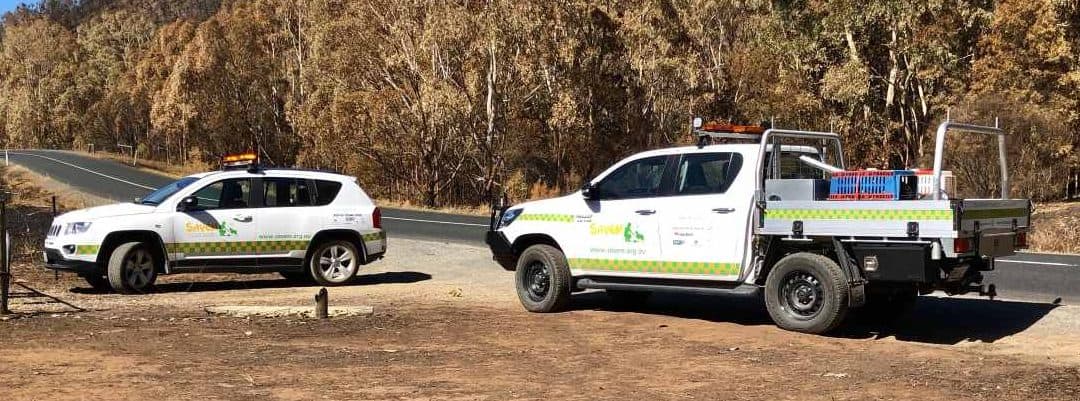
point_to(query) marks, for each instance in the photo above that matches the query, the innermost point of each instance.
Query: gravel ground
(447, 325)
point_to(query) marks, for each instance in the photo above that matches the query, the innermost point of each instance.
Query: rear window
(285, 192)
(326, 191)
(707, 173)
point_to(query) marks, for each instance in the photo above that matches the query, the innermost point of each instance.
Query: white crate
(926, 183)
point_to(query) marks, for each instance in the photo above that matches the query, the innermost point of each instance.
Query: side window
(326, 191)
(286, 192)
(707, 173)
(234, 193)
(637, 179)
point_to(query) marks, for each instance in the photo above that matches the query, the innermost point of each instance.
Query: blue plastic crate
(872, 185)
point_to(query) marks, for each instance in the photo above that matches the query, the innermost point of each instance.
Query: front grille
(54, 230)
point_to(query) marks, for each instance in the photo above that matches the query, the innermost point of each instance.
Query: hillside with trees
(443, 102)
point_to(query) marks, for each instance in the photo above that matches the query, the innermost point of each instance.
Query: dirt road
(448, 327)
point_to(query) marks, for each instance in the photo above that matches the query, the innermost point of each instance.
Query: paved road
(1037, 277)
(112, 180)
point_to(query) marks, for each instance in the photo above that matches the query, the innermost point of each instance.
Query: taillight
(376, 218)
(962, 245)
(1021, 240)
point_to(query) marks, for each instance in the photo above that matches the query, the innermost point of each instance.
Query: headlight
(76, 228)
(509, 216)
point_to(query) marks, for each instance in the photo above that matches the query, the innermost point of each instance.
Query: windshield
(163, 193)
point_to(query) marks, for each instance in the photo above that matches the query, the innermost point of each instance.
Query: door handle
(645, 212)
(723, 210)
(242, 219)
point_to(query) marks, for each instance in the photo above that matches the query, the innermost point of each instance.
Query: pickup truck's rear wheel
(807, 293)
(132, 268)
(543, 279)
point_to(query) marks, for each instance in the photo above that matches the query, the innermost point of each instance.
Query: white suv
(303, 224)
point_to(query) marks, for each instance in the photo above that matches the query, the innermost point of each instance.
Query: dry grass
(1055, 228)
(154, 166)
(34, 190)
(30, 209)
(466, 210)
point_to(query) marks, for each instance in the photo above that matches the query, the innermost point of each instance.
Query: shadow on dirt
(934, 320)
(746, 310)
(263, 283)
(938, 320)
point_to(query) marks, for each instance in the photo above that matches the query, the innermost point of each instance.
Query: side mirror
(188, 203)
(589, 192)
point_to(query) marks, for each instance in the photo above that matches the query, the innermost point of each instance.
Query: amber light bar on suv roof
(239, 160)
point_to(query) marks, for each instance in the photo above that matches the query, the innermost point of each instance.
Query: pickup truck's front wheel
(806, 292)
(543, 279)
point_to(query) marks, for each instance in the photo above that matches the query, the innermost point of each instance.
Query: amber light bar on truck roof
(239, 160)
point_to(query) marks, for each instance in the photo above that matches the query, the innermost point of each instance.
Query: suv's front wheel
(132, 268)
(543, 279)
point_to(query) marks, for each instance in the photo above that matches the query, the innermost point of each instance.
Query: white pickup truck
(740, 217)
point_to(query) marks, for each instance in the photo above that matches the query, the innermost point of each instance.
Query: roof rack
(707, 132)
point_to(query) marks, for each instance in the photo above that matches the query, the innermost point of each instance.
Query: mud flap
(856, 282)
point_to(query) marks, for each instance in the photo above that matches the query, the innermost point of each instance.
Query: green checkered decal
(375, 236)
(859, 214)
(994, 213)
(236, 247)
(657, 266)
(87, 249)
(547, 217)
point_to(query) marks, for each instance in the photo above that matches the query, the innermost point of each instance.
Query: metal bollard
(322, 304)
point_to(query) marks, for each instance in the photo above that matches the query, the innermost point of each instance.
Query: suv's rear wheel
(806, 292)
(132, 268)
(334, 262)
(543, 279)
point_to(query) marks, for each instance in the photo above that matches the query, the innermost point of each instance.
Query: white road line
(86, 170)
(436, 221)
(1037, 263)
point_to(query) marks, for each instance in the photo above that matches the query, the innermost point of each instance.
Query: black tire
(542, 279)
(297, 277)
(98, 282)
(628, 299)
(334, 262)
(886, 304)
(807, 293)
(132, 268)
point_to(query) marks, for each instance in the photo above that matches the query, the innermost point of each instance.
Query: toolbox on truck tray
(873, 185)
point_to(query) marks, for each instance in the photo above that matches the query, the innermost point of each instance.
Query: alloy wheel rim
(337, 263)
(138, 268)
